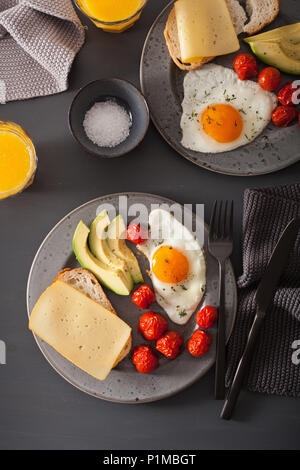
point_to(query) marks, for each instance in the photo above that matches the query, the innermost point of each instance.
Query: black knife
(264, 296)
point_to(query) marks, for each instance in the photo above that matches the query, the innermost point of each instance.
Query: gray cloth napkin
(38, 42)
(273, 369)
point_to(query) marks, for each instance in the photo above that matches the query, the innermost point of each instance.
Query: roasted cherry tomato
(284, 115)
(245, 66)
(143, 297)
(269, 79)
(152, 325)
(207, 316)
(285, 95)
(199, 343)
(136, 234)
(170, 344)
(144, 359)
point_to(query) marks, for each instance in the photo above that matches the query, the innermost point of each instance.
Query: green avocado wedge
(290, 32)
(113, 279)
(100, 249)
(279, 48)
(272, 54)
(118, 245)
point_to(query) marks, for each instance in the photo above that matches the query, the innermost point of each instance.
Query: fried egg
(220, 112)
(177, 266)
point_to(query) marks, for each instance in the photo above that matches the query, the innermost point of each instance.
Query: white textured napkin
(39, 40)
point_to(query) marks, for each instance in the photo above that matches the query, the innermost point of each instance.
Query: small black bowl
(125, 94)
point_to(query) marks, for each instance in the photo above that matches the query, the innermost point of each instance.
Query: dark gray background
(38, 409)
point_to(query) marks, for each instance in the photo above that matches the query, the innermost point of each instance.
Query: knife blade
(264, 296)
(267, 287)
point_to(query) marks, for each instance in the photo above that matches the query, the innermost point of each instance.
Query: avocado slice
(100, 249)
(272, 54)
(109, 277)
(279, 48)
(290, 32)
(119, 247)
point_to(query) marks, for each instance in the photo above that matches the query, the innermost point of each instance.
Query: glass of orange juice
(18, 161)
(114, 16)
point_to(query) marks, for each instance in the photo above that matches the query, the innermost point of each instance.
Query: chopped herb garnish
(183, 287)
(182, 313)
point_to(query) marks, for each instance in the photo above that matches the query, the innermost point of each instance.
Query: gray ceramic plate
(161, 83)
(124, 384)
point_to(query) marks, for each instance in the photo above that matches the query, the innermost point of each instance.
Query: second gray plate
(124, 384)
(162, 86)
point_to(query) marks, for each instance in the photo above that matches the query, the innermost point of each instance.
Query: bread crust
(254, 30)
(67, 273)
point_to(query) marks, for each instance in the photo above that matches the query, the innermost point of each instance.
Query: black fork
(220, 244)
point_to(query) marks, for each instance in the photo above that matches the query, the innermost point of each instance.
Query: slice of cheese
(205, 29)
(79, 328)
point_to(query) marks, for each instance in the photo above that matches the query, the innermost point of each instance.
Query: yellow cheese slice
(79, 328)
(205, 29)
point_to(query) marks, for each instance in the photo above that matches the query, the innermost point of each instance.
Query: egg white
(180, 300)
(214, 84)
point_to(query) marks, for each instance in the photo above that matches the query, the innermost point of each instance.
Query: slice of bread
(172, 41)
(261, 13)
(238, 15)
(86, 282)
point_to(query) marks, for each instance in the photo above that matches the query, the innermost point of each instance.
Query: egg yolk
(222, 122)
(170, 265)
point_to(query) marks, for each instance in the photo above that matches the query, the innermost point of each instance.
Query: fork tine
(219, 230)
(212, 227)
(231, 221)
(225, 223)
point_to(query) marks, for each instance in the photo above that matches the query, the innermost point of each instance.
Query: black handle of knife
(242, 369)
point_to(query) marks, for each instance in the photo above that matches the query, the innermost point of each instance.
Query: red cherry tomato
(284, 115)
(170, 344)
(144, 359)
(285, 95)
(199, 343)
(152, 325)
(143, 297)
(207, 316)
(245, 66)
(269, 79)
(136, 234)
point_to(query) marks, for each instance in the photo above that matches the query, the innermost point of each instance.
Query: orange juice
(17, 159)
(112, 15)
(112, 10)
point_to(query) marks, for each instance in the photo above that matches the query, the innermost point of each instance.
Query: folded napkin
(274, 369)
(38, 42)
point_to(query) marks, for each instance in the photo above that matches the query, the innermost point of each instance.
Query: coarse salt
(107, 124)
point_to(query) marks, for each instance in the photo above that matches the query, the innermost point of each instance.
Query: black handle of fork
(221, 338)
